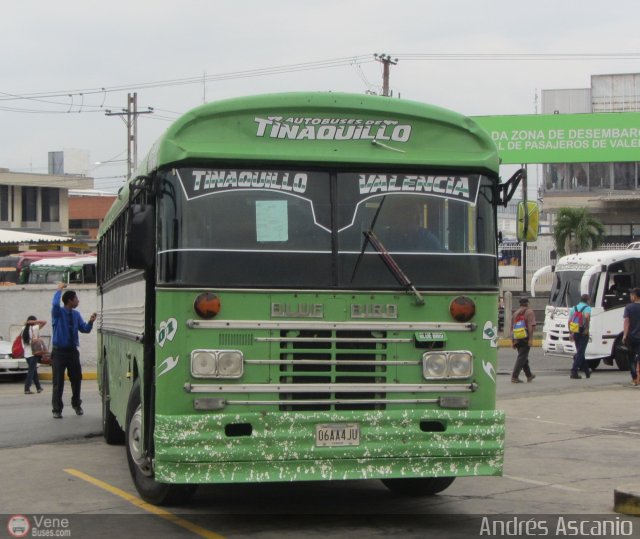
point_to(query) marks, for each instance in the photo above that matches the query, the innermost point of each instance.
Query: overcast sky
(68, 51)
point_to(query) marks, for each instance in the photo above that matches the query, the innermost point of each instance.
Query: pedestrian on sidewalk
(31, 331)
(523, 324)
(631, 335)
(579, 318)
(65, 356)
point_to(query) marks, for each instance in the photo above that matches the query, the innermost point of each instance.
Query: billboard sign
(565, 138)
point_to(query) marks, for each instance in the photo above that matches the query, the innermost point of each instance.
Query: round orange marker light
(462, 309)
(207, 305)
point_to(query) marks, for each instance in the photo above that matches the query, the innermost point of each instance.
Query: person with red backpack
(522, 326)
(31, 331)
(579, 317)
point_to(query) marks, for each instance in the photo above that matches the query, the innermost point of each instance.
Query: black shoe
(575, 377)
(79, 410)
(28, 392)
(40, 390)
(57, 415)
(587, 373)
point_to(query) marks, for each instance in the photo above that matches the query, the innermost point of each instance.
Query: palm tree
(577, 230)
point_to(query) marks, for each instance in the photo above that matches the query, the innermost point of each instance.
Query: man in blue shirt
(66, 322)
(581, 338)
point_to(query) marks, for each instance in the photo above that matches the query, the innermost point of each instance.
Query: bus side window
(89, 272)
(617, 290)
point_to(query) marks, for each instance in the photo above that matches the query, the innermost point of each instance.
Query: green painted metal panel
(191, 445)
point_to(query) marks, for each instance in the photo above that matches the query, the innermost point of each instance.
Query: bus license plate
(337, 434)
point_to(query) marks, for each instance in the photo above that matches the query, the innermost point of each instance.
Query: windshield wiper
(392, 265)
(365, 241)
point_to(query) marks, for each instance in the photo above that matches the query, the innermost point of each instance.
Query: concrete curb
(48, 374)
(626, 500)
(507, 343)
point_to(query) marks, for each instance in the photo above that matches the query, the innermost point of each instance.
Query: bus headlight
(217, 363)
(460, 365)
(203, 363)
(434, 365)
(230, 364)
(442, 365)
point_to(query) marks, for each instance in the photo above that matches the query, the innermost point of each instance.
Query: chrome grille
(333, 357)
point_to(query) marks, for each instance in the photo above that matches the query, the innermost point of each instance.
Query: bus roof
(277, 128)
(583, 261)
(68, 262)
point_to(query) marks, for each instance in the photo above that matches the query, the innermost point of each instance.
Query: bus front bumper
(284, 447)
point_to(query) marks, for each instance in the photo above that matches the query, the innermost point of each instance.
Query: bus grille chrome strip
(340, 326)
(335, 401)
(329, 339)
(328, 362)
(327, 388)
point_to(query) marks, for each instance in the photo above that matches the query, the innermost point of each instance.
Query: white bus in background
(70, 270)
(607, 277)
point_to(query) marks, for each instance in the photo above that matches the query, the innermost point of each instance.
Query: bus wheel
(621, 355)
(111, 431)
(593, 364)
(427, 486)
(140, 465)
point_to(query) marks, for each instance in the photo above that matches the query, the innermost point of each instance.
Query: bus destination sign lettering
(374, 310)
(297, 310)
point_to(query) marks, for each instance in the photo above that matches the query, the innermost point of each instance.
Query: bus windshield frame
(224, 226)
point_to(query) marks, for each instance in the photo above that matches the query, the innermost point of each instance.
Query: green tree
(576, 231)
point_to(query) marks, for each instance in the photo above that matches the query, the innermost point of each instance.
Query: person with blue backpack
(579, 317)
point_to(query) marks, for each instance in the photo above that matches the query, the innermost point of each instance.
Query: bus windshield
(565, 290)
(217, 226)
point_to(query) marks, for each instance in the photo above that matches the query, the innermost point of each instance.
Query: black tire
(621, 355)
(427, 486)
(593, 364)
(111, 430)
(139, 465)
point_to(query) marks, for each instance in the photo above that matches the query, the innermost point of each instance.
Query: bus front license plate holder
(337, 434)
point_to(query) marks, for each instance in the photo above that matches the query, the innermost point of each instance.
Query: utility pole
(131, 114)
(386, 61)
(526, 223)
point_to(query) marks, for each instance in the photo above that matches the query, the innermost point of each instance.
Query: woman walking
(30, 332)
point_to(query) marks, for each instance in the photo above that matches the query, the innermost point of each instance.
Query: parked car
(9, 365)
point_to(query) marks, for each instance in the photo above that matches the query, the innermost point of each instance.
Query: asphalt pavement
(568, 451)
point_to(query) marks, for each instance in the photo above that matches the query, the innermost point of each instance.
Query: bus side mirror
(141, 239)
(528, 219)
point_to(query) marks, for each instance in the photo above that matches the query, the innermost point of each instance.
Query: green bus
(304, 286)
(69, 270)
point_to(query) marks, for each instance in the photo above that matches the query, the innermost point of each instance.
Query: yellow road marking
(138, 502)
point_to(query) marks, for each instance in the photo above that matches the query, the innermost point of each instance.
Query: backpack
(520, 328)
(17, 351)
(576, 323)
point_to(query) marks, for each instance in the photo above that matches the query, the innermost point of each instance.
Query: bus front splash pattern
(196, 449)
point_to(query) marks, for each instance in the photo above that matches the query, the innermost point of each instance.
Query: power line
(259, 72)
(357, 60)
(564, 56)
